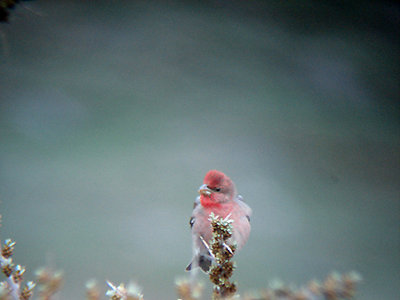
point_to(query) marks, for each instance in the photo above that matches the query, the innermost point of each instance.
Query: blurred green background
(111, 113)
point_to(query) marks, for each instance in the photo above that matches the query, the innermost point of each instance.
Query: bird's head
(217, 188)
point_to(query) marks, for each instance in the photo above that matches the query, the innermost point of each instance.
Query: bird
(217, 195)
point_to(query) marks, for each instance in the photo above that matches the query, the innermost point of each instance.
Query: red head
(217, 188)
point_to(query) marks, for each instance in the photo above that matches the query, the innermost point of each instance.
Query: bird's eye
(214, 189)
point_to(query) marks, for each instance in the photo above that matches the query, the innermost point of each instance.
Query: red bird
(217, 195)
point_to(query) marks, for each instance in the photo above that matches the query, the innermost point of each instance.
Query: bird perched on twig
(217, 195)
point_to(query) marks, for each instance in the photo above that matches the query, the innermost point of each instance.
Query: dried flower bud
(116, 293)
(314, 287)
(331, 284)
(353, 276)
(92, 290)
(6, 265)
(280, 289)
(187, 290)
(300, 295)
(42, 275)
(56, 281)
(18, 274)
(134, 292)
(349, 284)
(27, 291)
(8, 248)
(49, 282)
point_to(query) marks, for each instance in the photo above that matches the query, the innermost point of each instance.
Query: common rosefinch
(217, 195)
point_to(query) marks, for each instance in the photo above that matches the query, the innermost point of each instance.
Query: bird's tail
(202, 261)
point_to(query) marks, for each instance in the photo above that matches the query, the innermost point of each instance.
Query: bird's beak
(204, 190)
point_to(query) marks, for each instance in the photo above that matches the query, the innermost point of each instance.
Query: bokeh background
(112, 112)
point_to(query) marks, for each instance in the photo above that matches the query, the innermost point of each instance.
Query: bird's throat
(208, 202)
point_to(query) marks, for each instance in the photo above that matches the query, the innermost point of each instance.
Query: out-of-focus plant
(12, 288)
(334, 287)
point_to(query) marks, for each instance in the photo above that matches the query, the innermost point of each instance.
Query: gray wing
(195, 204)
(247, 210)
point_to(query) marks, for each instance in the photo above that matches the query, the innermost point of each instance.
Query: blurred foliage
(6, 6)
